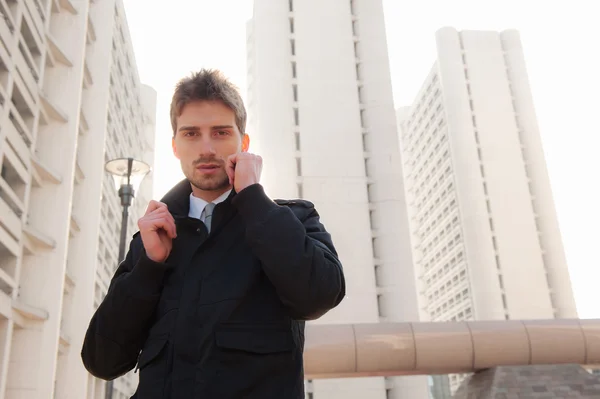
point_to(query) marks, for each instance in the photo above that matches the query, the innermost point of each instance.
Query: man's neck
(209, 196)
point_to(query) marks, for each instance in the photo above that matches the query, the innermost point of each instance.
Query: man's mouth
(208, 166)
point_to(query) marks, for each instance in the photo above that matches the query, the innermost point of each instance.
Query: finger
(162, 211)
(160, 222)
(154, 205)
(230, 167)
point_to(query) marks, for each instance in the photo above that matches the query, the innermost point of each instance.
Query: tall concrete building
(484, 232)
(321, 109)
(70, 100)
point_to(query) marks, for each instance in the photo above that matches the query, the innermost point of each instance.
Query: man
(211, 299)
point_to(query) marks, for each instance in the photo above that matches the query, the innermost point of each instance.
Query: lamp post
(128, 174)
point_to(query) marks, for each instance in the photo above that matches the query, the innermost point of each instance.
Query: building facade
(484, 232)
(70, 100)
(322, 114)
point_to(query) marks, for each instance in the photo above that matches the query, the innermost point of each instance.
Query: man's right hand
(157, 228)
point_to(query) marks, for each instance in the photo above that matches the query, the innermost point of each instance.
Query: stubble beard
(219, 181)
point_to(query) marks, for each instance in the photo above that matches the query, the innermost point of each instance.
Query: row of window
(432, 85)
(295, 109)
(483, 177)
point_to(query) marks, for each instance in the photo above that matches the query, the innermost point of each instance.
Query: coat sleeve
(296, 252)
(119, 327)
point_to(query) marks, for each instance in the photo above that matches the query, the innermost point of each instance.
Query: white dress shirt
(197, 205)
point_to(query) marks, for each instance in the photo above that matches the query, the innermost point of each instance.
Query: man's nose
(206, 146)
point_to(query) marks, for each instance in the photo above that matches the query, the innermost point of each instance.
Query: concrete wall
(68, 106)
(322, 111)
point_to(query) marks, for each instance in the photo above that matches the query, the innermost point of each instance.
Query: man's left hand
(244, 170)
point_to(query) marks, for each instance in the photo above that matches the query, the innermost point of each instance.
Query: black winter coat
(223, 316)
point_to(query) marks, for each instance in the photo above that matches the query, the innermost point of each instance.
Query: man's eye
(222, 132)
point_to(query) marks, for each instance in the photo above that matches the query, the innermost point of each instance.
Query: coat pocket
(250, 358)
(152, 350)
(152, 365)
(153, 361)
(257, 340)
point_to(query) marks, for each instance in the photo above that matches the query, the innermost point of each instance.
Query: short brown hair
(209, 85)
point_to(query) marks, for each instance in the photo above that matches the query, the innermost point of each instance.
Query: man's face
(206, 136)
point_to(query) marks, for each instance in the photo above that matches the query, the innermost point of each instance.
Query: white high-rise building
(485, 236)
(70, 99)
(321, 108)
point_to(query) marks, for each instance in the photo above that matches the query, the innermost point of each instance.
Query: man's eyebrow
(192, 128)
(187, 128)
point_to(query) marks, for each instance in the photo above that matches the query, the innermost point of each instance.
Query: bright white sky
(561, 50)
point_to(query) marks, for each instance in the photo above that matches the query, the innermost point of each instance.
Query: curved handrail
(392, 349)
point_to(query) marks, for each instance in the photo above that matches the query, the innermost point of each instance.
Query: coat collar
(178, 199)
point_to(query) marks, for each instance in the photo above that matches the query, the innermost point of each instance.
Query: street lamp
(128, 174)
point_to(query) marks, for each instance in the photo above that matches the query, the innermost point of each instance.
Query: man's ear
(245, 142)
(174, 147)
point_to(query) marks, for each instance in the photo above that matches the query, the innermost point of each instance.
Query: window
(291, 5)
(293, 45)
(297, 136)
(295, 92)
(365, 143)
(296, 117)
(291, 25)
(294, 70)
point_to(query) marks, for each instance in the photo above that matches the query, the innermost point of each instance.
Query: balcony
(24, 100)
(84, 127)
(43, 173)
(35, 241)
(56, 53)
(74, 226)
(79, 175)
(69, 280)
(9, 246)
(64, 342)
(11, 198)
(16, 141)
(27, 72)
(59, 5)
(15, 170)
(52, 110)
(7, 29)
(91, 31)
(37, 14)
(20, 125)
(10, 220)
(23, 313)
(7, 282)
(87, 76)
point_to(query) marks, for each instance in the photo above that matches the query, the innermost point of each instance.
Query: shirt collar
(197, 205)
